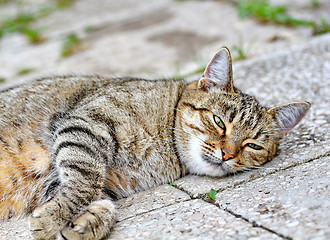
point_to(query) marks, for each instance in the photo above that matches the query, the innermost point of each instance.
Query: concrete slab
(148, 201)
(158, 38)
(163, 213)
(15, 229)
(294, 202)
(128, 208)
(193, 219)
(196, 186)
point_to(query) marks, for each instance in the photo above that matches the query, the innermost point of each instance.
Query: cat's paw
(45, 221)
(94, 223)
(81, 228)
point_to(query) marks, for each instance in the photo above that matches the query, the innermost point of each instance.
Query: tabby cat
(71, 145)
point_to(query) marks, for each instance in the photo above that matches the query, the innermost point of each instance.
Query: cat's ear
(218, 73)
(289, 115)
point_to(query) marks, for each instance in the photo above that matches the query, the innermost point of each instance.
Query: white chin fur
(195, 162)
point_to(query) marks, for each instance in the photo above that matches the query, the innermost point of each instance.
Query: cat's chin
(196, 164)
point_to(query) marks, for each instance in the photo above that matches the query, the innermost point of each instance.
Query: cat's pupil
(219, 122)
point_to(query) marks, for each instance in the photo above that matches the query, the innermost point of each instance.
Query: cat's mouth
(218, 162)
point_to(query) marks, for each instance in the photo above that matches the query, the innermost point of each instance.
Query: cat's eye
(219, 122)
(254, 146)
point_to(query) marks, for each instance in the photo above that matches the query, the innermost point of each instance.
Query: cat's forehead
(243, 115)
(223, 102)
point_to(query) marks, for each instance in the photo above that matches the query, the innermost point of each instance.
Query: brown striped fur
(70, 145)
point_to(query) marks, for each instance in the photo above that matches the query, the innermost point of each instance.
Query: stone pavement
(287, 198)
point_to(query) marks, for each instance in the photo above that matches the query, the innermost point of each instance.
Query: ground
(288, 197)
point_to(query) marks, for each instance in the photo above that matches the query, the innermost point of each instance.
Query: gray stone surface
(294, 202)
(193, 219)
(148, 201)
(150, 38)
(16, 229)
(286, 198)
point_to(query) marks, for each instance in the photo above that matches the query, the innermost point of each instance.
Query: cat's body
(70, 145)
(138, 156)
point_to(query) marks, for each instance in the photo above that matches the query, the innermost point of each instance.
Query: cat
(70, 146)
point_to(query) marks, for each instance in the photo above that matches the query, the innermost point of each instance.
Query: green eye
(254, 146)
(219, 122)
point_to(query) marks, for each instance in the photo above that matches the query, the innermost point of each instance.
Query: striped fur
(70, 145)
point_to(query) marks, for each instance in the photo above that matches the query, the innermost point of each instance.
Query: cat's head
(220, 130)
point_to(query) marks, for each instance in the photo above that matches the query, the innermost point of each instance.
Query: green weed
(4, 2)
(172, 184)
(24, 71)
(199, 70)
(265, 12)
(240, 52)
(71, 45)
(212, 194)
(64, 3)
(22, 24)
(23, 21)
(90, 28)
(45, 11)
(315, 4)
(321, 28)
(17, 24)
(34, 35)
(177, 74)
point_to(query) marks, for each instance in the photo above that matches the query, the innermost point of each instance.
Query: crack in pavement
(152, 210)
(280, 169)
(253, 223)
(206, 198)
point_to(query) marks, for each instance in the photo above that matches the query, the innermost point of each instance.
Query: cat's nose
(227, 154)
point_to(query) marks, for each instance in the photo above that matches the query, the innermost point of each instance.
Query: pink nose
(227, 154)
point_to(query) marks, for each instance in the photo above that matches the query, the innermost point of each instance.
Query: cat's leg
(79, 159)
(73, 197)
(93, 223)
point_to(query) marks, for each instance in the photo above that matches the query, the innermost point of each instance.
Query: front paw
(94, 223)
(45, 221)
(81, 228)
